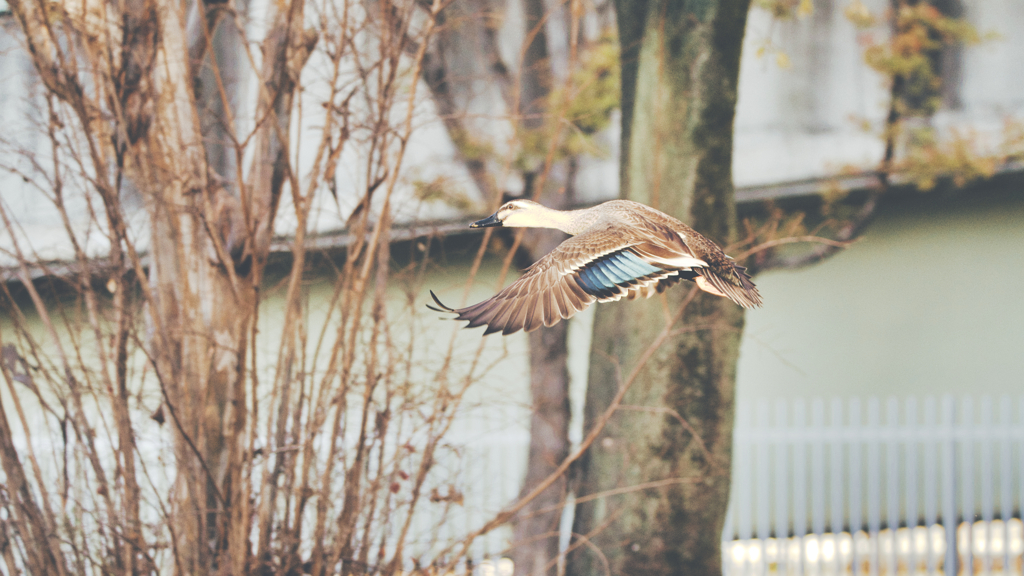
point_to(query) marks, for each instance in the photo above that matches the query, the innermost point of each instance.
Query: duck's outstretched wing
(596, 266)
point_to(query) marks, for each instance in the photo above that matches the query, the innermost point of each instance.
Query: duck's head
(514, 214)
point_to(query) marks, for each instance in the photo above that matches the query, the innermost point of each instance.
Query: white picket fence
(852, 486)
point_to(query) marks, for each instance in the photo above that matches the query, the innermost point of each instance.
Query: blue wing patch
(589, 282)
(639, 267)
(602, 276)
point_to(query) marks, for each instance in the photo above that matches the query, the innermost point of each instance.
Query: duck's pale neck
(543, 217)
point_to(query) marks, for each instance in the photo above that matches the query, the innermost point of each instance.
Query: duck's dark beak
(491, 220)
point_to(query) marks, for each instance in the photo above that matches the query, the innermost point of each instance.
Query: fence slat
(874, 483)
(745, 486)
(949, 510)
(763, 483)
(781, 484)
(799, 440)
(818, 466)
(930, 445)
(836, 477)
(892, 478)
(763, 466)
(984, 428)
(856, 474)
(911, 452)
(1005, 473)
(967, 478)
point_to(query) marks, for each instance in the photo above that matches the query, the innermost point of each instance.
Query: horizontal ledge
(338, 239)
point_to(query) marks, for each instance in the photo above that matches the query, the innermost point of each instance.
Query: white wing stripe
(680, 262)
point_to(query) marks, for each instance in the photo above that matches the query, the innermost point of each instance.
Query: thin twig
(792, 240)
(616, 492)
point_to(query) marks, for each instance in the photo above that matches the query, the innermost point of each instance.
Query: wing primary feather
(537, 318)
(442, 307)
(547, 301)
(531, 313)
(516, 318)
(561, 297)
(501, 317)
(485, 314)
(498, 319)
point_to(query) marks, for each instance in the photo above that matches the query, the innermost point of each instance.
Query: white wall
(798, 122)
(927, 302)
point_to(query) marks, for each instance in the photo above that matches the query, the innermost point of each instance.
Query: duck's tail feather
(734, 284)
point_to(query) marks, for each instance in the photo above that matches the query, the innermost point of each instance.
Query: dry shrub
(152, 422)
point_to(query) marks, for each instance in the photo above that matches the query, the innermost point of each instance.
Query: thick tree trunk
(680, 69)
(535, 538)
(465, 74)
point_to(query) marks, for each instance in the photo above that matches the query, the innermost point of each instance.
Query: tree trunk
(465, 74)
(680, 65)
(535, 532)
(535, 539)
(535, 528)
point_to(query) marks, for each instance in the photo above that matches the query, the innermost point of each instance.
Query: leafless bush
(143, 428)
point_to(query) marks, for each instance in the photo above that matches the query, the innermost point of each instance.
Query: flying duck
(618, 249)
